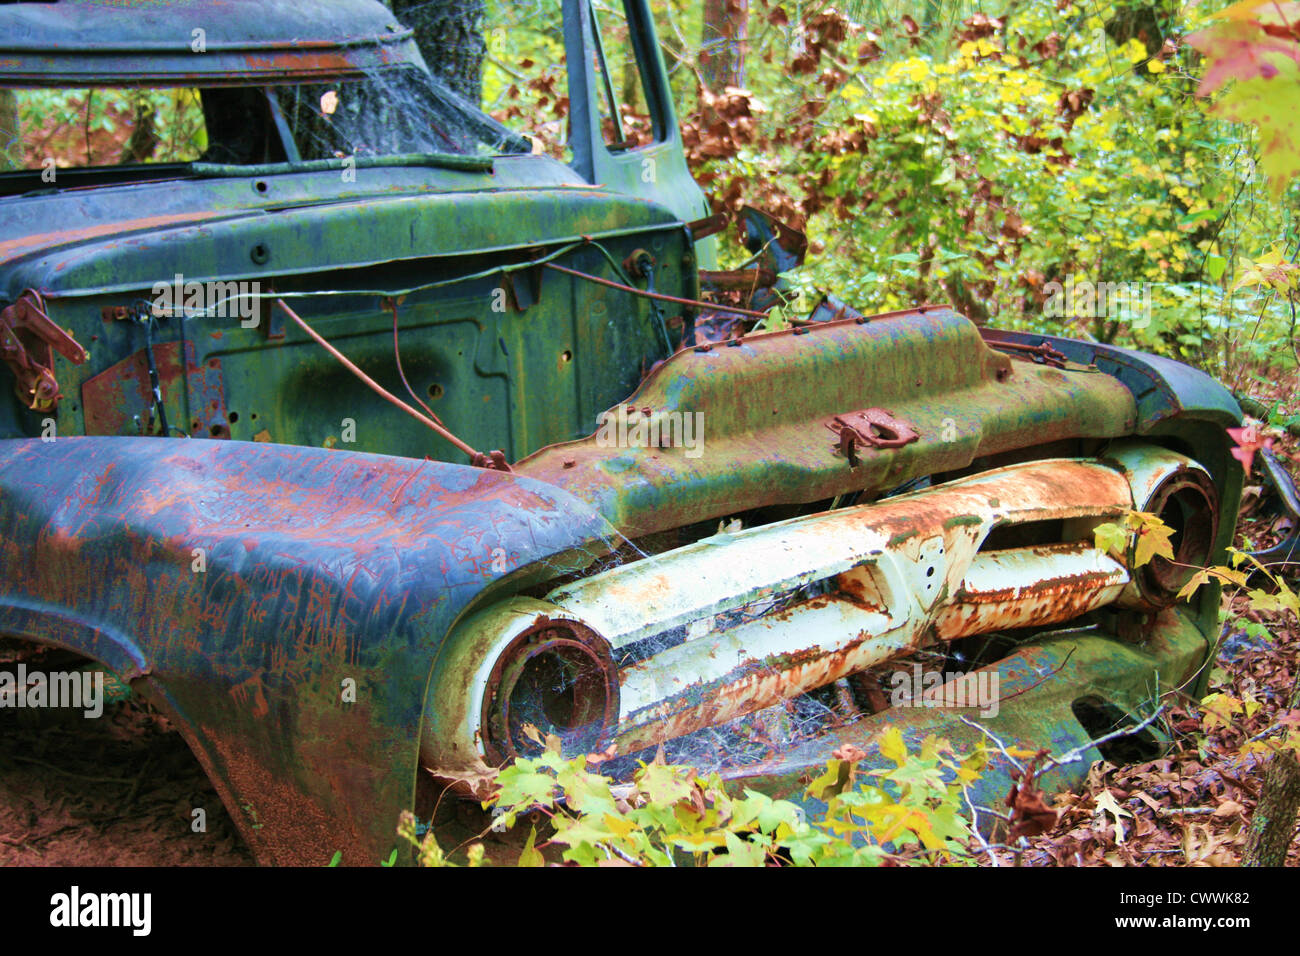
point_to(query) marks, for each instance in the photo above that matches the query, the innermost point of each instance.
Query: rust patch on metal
(116, 397)
(46, 240)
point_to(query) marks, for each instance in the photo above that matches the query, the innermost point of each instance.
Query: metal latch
(869, 428)
(28, 341)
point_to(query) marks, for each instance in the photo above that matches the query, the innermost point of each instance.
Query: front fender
(284, 604)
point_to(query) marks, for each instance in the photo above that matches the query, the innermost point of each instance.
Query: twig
(620, 854)
(1077, 753)
(135, 784)
(998, 743)
(975, 826)
(1042, 680)
(69, 773)
(1264, 733)
(375, 386)
(505, 69)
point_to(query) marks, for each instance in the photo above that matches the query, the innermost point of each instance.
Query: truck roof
(197, 42)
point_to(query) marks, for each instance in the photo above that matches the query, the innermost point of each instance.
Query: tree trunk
(1273, 824)
(722, 43)
(1142, 19)
(144, 138)
(449, 34)
(11, 147)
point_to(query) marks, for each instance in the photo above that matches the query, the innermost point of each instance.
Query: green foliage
(979, 160)
(427, 850)
(95, 127)
(1276, 596)
(524, 71)
(670, 815)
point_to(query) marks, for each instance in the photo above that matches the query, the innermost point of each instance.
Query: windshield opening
(105, 126)
(389, 113)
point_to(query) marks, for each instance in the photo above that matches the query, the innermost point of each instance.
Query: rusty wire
(379, 389)
(694, 303)
(397, 356)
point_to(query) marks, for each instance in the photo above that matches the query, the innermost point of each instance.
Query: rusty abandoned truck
(337, 444)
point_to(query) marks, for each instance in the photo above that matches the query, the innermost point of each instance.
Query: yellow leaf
(892, 746)
(619, 824)
(1152, 542)
(1200, 577)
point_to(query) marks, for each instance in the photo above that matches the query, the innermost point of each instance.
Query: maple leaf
(1271, 103)
(1253, 54)
(892, 746)
(1153, 541)
(531, 856)
(1110, 537)
(1194, 583)
(1269, 270)
(663, 784)
(836, 779)
(1248, 441)
(1239, 50)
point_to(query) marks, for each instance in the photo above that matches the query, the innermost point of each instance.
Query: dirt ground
(119, 790)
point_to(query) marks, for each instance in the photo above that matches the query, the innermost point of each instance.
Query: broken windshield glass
(386, 114)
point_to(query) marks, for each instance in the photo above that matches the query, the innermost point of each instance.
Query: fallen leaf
(1105, 802)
